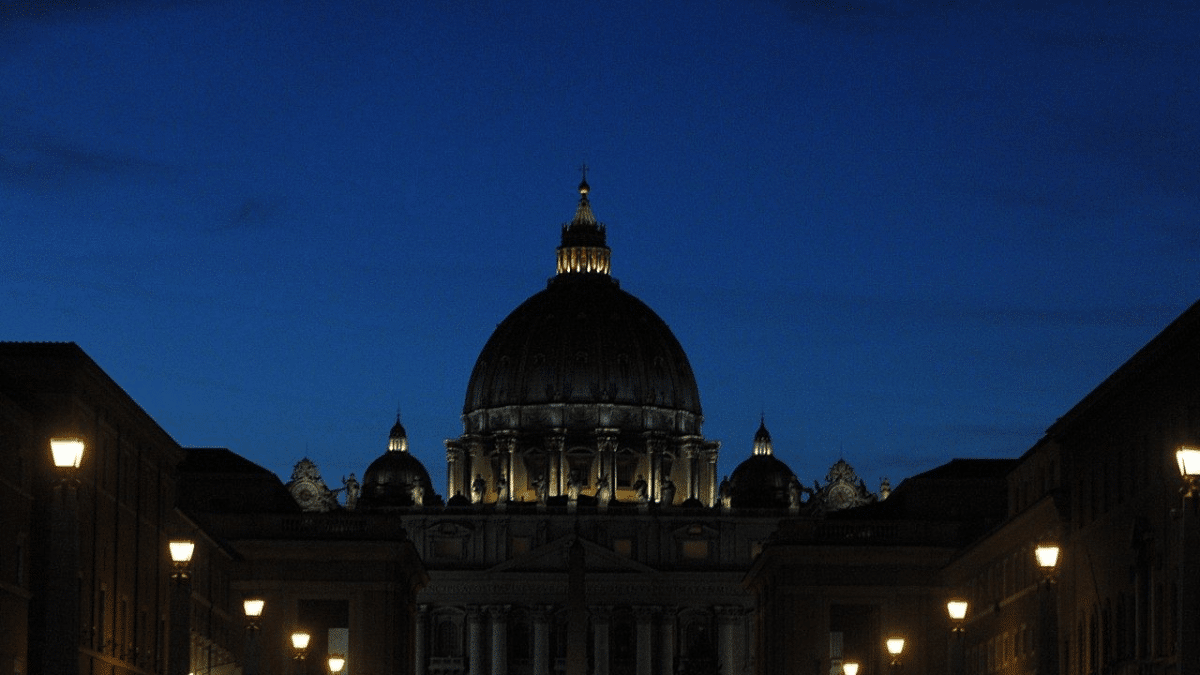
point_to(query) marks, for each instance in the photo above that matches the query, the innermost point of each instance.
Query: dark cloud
(50, 11)
(44, 164)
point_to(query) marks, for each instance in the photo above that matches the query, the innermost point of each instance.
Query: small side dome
(762, 481)
(397, 478)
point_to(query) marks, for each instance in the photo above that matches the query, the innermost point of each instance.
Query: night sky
(903, 231)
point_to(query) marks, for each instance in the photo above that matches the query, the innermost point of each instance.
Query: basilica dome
(762, 480)
(397, 478)
(582, 354)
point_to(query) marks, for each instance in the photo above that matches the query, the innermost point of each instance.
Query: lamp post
(61, 654)
(180, 656)
(1046, 555)
(895, 647)
(253, 608)
(957, 610)
(1188, 652)
(336, 663)
(300, 641)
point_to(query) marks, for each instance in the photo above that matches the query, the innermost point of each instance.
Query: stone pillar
(499, 617)
(541, 640)
(655, 446)
(667, 640)
(454, 482)
(711, 483)
(644, 616)
(600, 625)
(727, 624)
(419, 650)
(689, 455)
(474, 641)
(556, 446)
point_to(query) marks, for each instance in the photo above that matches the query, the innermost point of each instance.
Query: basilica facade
(582, 431)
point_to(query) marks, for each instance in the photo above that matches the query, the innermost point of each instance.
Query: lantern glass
(336, 663)
(67, 452)
(300, 640)
(182, 550)
(1188, 459)
(253, 607)
(957, 609)
(1047, 556)
(895, 645)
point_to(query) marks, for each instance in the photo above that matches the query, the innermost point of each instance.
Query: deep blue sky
(905, 230)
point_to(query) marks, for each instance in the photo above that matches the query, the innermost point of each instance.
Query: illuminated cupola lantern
(762, 481)
(584, 250)
(397, 478)
(398, 438)
(762, 439)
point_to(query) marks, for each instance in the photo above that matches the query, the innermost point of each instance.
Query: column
(654, 450)
(711, 484)
(689, 455)
(419, 650)
(667, 640)
(600, 617)
(499, 616)
(727, 619)
(454, 483)
(541, 640)
(556, 446)
(475, 641)
(643, 616)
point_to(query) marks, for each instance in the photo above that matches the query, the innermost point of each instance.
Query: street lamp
(253, 607)
(1047, 560)
(336, 663)
(67, 452)
(180, 656)
(895, 647)
(1188, 459)
(1046, 554)
(957, 609)
(62, 597)
(850, 667)
(300, 641)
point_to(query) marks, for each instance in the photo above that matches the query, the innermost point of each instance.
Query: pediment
(554, 557)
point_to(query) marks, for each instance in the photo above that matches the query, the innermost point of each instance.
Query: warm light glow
(182, 550)
(850, 668)
(336, 663)
(67, 452)
(895, 645)
(1047, 556)
(300, 640)
(1188, 460)
(253, 607)
(957, 609)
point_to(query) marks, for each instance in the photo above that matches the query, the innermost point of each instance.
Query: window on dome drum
(446, 642)
(581, 467)
(626, 468)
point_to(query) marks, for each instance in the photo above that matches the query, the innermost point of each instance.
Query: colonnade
(689, 464)
(655, 632)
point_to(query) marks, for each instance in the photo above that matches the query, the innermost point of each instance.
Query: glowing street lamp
(300, 641)
(180, 655)
(850, 668)
(1188, 459)
(957, 609)
(253, 607)
(336, 663)
(895, 647)
(67, 452)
